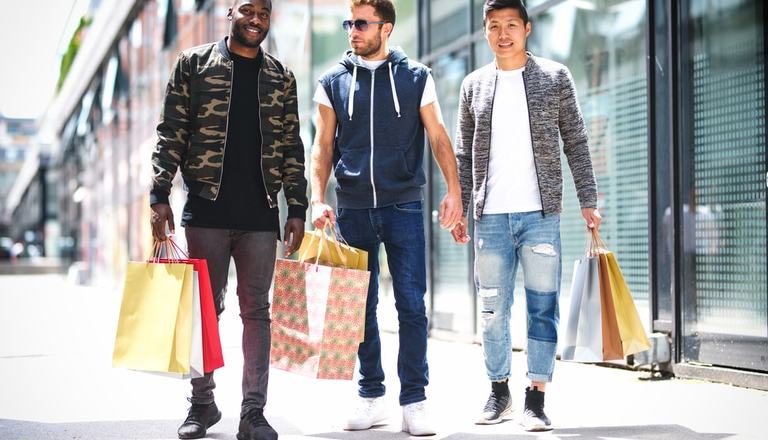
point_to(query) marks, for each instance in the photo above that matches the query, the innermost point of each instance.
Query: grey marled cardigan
(552, 109)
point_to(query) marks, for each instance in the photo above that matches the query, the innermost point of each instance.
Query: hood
(351, 62)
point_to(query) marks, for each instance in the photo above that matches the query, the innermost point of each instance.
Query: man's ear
(388, 28)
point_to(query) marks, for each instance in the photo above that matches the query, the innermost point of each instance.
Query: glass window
(449, 21)
(453, 294)
(723, 216)
(661, 225)
(406, 31)
(604, 47)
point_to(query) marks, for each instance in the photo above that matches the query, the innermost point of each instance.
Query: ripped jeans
(501, 242)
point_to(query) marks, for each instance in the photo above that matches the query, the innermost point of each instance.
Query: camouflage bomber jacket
(192, 131)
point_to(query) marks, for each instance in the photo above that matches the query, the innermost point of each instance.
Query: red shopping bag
(213, 357)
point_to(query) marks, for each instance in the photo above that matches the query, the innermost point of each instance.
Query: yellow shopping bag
(633, 339)
(333, 253)
(154, 330)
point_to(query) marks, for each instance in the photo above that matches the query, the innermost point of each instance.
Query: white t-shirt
(512, 185)
(427, 97)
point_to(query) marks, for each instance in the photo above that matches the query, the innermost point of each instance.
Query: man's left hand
(592, 217)
(450, 211)
(294, 233)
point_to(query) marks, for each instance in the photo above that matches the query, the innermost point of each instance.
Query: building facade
(16, 138)
(673, 94)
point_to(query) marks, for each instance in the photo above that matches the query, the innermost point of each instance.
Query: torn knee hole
(544, 249)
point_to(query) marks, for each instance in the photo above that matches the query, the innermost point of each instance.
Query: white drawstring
(351, 106)
(394, 90)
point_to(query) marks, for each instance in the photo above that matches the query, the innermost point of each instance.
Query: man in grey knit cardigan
(512, 113)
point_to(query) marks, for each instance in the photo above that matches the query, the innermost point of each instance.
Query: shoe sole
(213, 421)
(497, 420)
(538, 428)
(416, 434)
(352, 427)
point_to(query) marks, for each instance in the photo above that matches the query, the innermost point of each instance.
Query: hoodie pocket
(390, 163)
(351, 170)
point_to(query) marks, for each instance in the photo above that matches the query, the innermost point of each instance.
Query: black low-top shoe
(253, 426)
(499, 404)
(201, 416)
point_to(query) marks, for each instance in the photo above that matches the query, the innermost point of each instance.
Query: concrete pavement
(56, 382)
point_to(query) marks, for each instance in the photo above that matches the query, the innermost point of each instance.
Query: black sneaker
(201, 416)
(253, 426)
(534, 418)
(498, 405)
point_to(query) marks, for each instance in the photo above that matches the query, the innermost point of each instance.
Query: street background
(57, 383)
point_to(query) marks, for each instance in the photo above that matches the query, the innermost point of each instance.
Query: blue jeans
(501, 242)
(400, 228)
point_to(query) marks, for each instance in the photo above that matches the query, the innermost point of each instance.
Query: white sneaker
(415, 420)
(368, 411)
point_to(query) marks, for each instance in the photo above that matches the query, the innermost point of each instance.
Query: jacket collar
(490, 68)
(223, 50)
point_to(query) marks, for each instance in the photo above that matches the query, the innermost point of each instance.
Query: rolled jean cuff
(413, 400)
(544, 378)
(498, 378)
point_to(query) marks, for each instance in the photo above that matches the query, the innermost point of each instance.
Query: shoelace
(493, 403)
(196, 411)
(366, 406)
(535, 407)
(416, 408)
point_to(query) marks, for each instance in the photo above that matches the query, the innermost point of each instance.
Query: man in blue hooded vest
(374, 107)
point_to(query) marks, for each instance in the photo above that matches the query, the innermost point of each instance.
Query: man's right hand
(322, 214)
(459, 232)
(161, 215)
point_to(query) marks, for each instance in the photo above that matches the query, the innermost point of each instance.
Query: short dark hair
(385, 9)
(237, 2)
(495, 5)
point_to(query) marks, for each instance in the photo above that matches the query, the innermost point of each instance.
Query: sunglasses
(360, 25)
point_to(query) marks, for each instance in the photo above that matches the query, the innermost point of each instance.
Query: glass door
(450, 263)
(723, 185)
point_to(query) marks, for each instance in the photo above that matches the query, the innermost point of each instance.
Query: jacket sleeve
(465, 132)
(292, 171)
(575, 144)
(172, 131)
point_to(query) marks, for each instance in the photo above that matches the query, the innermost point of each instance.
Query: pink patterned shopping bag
(318, 318)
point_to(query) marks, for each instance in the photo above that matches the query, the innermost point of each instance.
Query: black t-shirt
(242, 200)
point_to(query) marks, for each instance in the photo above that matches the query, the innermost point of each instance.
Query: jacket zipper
(373, 78)
(533, 150)
(488, 160)
(226, 128)
(271, 203)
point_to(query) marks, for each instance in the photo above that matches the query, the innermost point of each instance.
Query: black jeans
(254, 254)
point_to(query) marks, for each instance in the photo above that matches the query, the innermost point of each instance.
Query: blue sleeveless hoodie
(378, 154)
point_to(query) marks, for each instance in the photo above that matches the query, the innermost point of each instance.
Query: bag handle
(168, 247)
(303, 256)
(332, 238)
(595, 244)
(324, 236)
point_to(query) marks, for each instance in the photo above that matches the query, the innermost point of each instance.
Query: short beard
(369, 50)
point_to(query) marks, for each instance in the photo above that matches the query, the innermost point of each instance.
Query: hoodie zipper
(271, 203)
(226, 127)
(373, 184)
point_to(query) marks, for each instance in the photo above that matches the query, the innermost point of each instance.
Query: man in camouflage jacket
(230, 123)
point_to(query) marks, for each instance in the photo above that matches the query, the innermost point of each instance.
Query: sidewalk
(56, 382)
